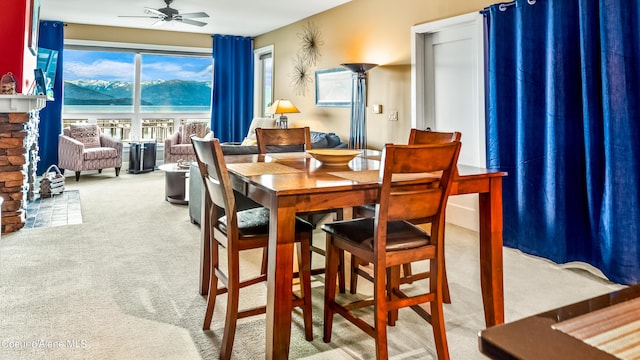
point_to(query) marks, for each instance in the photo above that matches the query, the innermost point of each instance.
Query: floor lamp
(358, 134)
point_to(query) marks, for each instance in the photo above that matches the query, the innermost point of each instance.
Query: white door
(449, 65)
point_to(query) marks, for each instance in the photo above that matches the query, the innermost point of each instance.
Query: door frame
(419, 109)
(462, 210)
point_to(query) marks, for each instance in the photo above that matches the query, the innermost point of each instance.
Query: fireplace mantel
(21, 103)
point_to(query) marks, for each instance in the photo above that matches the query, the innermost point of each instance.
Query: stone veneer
(18, 160)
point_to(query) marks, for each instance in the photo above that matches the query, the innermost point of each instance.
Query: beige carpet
(124, 285)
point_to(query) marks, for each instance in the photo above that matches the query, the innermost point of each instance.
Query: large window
(98, 81)
(175, 83)
(263, 80)
(136, 95)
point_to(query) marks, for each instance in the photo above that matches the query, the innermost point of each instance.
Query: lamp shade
(359, 67)
(282, 107)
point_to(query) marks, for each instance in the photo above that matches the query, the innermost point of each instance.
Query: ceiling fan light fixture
(167, 14)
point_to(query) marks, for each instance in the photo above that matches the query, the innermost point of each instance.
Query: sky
(119, 66)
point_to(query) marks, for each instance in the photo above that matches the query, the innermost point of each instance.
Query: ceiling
(230, 17)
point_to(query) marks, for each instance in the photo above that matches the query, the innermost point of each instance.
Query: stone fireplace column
(18, 156)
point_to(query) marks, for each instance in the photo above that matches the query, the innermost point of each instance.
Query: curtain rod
(504, 6)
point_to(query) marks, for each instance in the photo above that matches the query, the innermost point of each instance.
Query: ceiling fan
(168, 14)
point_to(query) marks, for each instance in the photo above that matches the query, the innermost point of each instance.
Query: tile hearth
(61, 209)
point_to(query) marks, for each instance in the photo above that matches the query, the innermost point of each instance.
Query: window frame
(259, 74)
(136, 116)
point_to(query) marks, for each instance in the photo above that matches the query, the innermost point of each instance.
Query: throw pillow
(259, 123)
(87, 134)
(198, 129)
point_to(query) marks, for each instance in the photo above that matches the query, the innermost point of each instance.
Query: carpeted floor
(123, 284)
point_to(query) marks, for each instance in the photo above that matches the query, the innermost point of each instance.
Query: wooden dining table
(291, 183)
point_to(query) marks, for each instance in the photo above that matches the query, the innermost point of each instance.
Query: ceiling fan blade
(158, 23)
(195, 15)
(155, 12)
(192, 22)
(139, 16)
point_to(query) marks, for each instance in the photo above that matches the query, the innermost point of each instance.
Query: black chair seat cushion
(401, 235)
(255, 221)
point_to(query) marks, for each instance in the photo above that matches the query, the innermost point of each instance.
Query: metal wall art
(300, 77)
(307, 57)
(310, 43)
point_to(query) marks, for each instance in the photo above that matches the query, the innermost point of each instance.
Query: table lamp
(282, 107)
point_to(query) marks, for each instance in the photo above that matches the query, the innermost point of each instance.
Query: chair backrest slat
(421, 197)
(283, 137)
(215, 176)
(432, 137)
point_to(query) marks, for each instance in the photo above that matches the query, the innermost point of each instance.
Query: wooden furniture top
(552, 334)
(307, 174)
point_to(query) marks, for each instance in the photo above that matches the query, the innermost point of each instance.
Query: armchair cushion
(99, 153)
(178, 146)
(198, 129)
(87, 134)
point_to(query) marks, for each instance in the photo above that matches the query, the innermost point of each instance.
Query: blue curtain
(563, 118)
(51, 36)
(232, 103)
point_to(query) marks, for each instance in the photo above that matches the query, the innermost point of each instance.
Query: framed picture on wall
(33, 29)
(333, 87)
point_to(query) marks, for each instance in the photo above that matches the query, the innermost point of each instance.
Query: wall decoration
(300, 77)
(33, 29)
(334, 87)
(310, 44)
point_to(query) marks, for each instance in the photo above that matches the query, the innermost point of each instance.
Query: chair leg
(77, 175)
(353, 283)
(332, 262)
(263, 265)
(446, 295)
(380, 313)
(117, 171)
(341, 274)
(206, 269)
(393, 282)
(339, 215)
(304, 268)
(231, 318)
(437, 317)
(213, 286)
(407, 272)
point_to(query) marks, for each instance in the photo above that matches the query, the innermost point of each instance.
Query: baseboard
(463, 211)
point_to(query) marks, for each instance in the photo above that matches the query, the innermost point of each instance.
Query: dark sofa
(319, 140)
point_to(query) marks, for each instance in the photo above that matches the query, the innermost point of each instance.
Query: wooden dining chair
(416, 137)
(415, 182)
(297, 139)
(288, 139)
(238, 231)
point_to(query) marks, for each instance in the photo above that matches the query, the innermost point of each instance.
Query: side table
(176, 179)
(142, 156)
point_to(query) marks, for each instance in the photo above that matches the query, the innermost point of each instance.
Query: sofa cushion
(333, 140)
(319, 140)
(234, 149)
(198, 129)
(88, 134)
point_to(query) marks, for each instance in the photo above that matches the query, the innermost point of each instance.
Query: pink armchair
(84, 147)
(178, 145)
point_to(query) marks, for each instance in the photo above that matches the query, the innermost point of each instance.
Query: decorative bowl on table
(334, 157)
